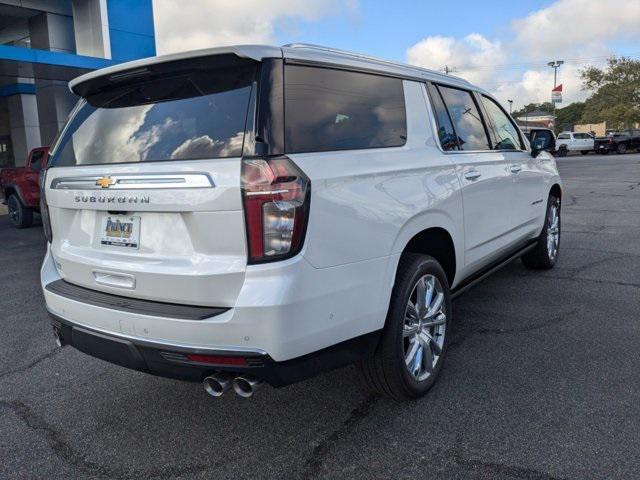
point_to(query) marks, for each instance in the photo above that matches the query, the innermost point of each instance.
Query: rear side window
(564, 136)
(505, 134)
(327, 109)
(178, 115)
(36, 160)
(466, 118)
(446, 133)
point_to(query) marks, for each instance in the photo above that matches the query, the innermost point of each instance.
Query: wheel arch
(12, 188)
(437, 243)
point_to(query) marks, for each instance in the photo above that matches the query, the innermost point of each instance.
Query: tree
(570, 115)
(532, 107)
(616, 93)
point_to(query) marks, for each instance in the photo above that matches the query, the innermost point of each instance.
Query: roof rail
(322, 48)
(361, 56)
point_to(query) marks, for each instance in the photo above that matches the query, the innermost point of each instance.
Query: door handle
(515, 168)
(472, 174)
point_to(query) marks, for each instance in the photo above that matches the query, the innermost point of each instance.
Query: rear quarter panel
(367, 204)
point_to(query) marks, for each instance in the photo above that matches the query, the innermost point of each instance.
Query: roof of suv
(303, 53)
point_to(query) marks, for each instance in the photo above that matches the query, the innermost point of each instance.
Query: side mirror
(541, 140)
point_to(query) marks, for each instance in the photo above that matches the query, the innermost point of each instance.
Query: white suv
(574, 142)
(257, 214)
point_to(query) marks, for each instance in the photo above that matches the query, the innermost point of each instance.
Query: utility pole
(510, 105)
(447, 70)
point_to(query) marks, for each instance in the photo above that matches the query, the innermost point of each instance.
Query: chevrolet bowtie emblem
(105, 182)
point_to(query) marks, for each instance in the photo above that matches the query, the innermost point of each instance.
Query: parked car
(618, 142)
(254, 214)
(574, 142)
(20, 189)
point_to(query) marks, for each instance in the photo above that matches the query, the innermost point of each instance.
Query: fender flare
(16, 188)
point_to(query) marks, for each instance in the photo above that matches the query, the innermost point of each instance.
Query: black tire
(562, 152)
(541, 258)
(622, 149)
(20, 216)
(386, 372)
(585, 152)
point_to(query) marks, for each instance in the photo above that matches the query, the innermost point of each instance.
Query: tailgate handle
(117, 280)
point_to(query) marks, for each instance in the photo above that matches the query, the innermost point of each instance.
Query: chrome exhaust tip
(218, 383)
(246, 385)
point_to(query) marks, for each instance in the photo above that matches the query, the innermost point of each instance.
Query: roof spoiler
(91, 82)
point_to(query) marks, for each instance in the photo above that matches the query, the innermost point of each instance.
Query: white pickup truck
(574, 142)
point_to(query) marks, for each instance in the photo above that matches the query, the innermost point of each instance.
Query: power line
(541, 64)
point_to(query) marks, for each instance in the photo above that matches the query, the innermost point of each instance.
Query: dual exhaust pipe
(218, 383)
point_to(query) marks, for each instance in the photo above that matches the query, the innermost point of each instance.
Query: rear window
(327, 109)
(179, 115)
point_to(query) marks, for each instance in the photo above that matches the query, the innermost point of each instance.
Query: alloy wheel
(425, 323)
(553, 231)
(14, 212)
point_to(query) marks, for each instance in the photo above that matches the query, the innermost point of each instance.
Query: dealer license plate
(121, 231)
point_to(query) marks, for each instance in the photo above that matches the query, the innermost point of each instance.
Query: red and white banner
(556, 94)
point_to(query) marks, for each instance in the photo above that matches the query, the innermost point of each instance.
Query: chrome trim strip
(139, 181)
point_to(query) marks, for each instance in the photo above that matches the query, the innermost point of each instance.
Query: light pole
(555, 65)
(510, 105)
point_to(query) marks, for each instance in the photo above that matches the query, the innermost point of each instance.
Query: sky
(502, 46)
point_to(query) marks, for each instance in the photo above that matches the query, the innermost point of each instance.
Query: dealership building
(46, 43)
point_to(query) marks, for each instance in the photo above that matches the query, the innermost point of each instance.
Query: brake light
(44, 206)
(276, 196)
(610, 140)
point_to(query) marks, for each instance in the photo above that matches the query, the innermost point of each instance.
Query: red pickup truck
(21, 189)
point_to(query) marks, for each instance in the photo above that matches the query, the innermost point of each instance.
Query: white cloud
(205, 146)
(473, 51)
(194, 24)
(576, 26)
(576, 30)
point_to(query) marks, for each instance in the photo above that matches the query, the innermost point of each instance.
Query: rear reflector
(217, 359)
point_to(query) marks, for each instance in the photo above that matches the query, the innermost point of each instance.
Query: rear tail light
(44, 207)
(276, 195)
(610, 140)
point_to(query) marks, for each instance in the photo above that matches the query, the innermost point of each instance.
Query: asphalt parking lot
(542, 381)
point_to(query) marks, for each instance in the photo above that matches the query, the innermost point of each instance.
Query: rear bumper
(287, 309)
(290, 319)
(173, 361)
(605, 147)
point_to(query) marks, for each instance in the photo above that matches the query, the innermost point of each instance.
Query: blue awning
(22, 62)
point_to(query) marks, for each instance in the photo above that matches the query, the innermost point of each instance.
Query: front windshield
(190, 115)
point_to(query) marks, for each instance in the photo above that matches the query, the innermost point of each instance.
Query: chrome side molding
(134, 182)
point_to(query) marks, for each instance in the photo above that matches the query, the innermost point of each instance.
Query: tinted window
(505, 134)
(329, 109)
(36, 160)
(564, 136)
(183, 115)
(446, 133)
(466, 119)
